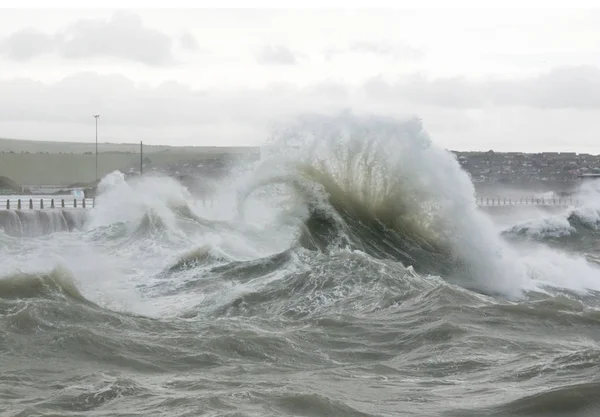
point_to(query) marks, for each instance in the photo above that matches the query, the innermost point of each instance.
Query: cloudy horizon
(507, 80)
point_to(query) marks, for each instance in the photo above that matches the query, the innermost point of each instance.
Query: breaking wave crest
(382, 187)
(581, 222)
(58, 282)
(198, 257)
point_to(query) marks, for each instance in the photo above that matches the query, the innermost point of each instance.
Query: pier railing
(45, 203)
(526, 201)
(84, 203)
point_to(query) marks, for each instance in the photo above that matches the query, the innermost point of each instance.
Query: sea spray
(577, 220)
(542, 240)
(391, 170)
(143, 203)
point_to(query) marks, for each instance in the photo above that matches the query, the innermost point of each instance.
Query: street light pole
(96, 117)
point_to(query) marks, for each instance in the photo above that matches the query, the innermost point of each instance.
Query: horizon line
(137, 144)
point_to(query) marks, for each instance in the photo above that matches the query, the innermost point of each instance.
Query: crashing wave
(58, 282)
(380, 186)
(577, 222)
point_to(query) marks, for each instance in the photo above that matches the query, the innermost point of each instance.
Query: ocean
(349, 272)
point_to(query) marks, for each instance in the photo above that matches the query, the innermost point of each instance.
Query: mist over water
(349, 272)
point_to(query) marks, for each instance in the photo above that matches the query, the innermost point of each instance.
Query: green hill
(38, 146)
(61, 163)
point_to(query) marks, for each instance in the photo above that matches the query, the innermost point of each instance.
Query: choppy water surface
(350, 274)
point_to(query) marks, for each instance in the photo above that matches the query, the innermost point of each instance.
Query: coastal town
(483, 167)
(519, 167)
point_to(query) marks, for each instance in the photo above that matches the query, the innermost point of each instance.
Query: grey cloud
(276, 54)
(188, 41)
(123, 36)
(381, 48)
(26, 44)
(76, 97)
(176, 112)
(397, 50)
(565, 87)
(330, 53)
(442, 92)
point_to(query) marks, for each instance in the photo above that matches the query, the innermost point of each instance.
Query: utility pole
(96, 116)
(141, 158)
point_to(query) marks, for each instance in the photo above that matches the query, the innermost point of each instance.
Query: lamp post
(96, 116)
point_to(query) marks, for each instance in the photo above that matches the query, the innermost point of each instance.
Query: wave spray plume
(383, 187)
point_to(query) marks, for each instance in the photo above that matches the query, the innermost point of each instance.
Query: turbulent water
(349, 273)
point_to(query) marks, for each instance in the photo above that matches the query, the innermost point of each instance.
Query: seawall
(31, 223)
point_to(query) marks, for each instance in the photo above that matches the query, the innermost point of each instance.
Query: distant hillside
(62, 169)
(37, 146)
(60, 163)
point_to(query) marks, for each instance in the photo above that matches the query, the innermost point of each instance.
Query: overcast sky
(479, 79)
